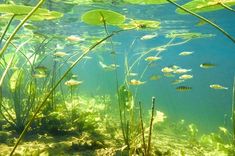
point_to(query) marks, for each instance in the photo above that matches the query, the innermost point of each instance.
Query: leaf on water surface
(96, 17)
(141, 24)
(205, 5)
(142, 2)
(22, 10)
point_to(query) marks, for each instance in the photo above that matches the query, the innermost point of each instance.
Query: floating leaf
(141, 24)
(20, 11)
(205, 5)
(98, 16)
(142, 2)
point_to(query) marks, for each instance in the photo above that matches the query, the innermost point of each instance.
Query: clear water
(203, 106)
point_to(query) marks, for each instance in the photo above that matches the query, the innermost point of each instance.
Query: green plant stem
(226, 7)
(233, 111)
(5, 31)
(54, 87)
(204, 19)
(151, 127)
(142, 128)
(19, 26)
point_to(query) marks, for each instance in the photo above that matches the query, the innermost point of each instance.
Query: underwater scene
(117, 77)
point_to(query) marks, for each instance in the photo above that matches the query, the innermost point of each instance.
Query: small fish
(186, 76)
(152, 58)
(207, 65)
(72, 82)
(132, 74)
(160, 49)
(217, 86)
(148, 37)
(135, 82)
(167, 70)
(181, 71)
(155, 77)
(177, 81)
(60, 54)
(110, 67)
(73, 38)
(183, 88)
(185, 53)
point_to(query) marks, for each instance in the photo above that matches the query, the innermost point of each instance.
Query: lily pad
(205, 5)
(141, 24)
(188, 35)
(96, 17)
(20, 11)
(142, 2)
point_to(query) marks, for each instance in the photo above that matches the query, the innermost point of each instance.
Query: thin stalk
(125, 130)
(55, 86)
(151, 127)
(204, 19)
(233, 110)
(5, 31)
(226, 7)
(19, 26)
(142, 128)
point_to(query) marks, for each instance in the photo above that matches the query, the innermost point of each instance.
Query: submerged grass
(55, 86)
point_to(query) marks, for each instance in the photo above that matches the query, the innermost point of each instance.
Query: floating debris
(135, 82)
(60, 54)
(148, 37)
(152, 58)
(72, 82)
(185, 53)
(155, 77)
(186, 76)
(207, 65)
(217, 86)
(183, 88)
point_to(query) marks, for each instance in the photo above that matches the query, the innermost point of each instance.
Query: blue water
(202, 105)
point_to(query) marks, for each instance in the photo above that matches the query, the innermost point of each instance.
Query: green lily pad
(20, 11)
(141, 24)
(96, 17)
(205, 5)
(188, 35)
(142, 2)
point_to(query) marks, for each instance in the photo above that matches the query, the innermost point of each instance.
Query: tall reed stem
(151, 127)
(142, 128)
(233, 110)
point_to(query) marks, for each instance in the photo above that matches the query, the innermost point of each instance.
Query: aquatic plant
(40, 106)
(204, 19)
(233, 111)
